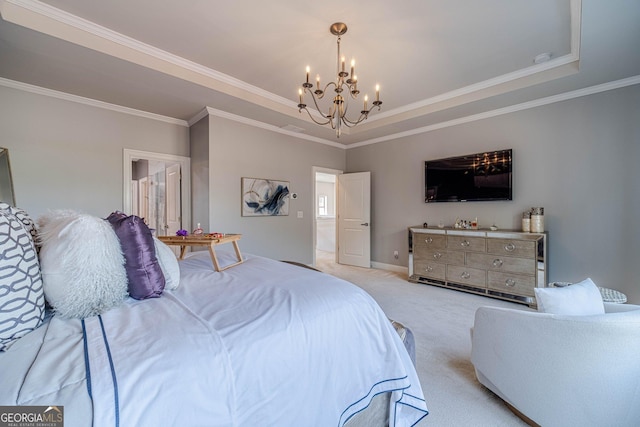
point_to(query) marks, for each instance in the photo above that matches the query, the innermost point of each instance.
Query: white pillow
(82, 264)
(579, 299)
(168, 263)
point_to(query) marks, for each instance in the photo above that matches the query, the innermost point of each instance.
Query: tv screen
(471, 178)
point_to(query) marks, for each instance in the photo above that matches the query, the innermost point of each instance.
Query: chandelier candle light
(337, 115)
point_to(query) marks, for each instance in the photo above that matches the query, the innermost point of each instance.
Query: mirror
(6, 184)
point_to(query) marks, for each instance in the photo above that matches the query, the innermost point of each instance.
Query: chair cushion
(579, 299)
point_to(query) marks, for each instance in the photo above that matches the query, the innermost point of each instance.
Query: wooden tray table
(210, 241)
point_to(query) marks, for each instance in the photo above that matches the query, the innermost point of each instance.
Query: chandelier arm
(315, 102)
(350, 123)
(314, 120)
(345, 119)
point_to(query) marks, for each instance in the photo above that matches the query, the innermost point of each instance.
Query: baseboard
(390, 267)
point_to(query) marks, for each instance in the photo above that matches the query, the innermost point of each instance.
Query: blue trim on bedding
(372, 396)
(86, 359)
(369, 404)
(113, 373)
(398, 402)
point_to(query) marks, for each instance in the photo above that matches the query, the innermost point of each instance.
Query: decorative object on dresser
(500, 264)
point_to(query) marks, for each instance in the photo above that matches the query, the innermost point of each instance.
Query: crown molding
(89, 101)
(591, 90)
(55, 22)
(558, 67)
(617, 84)
(58, 23)
(261, 125)
(61, 24)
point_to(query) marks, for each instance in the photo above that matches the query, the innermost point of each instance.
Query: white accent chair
(561, 370)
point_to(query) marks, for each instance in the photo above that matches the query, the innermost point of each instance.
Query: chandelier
(345, 82)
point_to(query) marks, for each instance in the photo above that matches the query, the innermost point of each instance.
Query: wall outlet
(395, 254)
(300, 214)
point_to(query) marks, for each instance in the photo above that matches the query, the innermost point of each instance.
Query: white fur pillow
(82, 264)
(168, 263)
(582, 299)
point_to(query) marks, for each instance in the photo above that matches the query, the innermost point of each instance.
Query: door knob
(366, 224)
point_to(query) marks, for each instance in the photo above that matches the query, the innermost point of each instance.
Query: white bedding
(260, 344)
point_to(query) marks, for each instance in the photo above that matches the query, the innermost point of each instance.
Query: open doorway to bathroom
(156, 188)
(325, 197)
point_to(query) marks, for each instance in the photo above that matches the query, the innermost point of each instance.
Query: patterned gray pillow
(24, 218)
(21, 292)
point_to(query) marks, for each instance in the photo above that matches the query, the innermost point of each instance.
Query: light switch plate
(300, 214)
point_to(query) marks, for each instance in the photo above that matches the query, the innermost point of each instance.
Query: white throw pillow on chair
(579, 299)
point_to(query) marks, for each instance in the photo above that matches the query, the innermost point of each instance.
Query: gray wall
(199, 136)
(578, 159)
(66, 155)
(237, 150)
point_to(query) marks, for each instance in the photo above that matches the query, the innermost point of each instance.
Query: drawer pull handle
(429, 269)
(510, 283)
(497, 263)
(437, 255)
(465, 275)
(509, 247)
(428, 240)
(465, 243)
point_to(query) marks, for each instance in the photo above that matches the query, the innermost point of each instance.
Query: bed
(264, 343)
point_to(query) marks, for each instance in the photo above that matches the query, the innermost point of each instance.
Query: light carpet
(441, 320)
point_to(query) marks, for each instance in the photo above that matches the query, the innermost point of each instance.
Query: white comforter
(260, 344)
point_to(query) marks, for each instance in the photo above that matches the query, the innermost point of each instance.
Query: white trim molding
(630, 81)
(89, 101)
(58, 23)
(128, 156)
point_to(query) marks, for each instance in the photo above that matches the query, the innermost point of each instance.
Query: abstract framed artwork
(264, 197)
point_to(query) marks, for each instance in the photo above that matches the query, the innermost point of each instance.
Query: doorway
(157, 188)
(324, 219)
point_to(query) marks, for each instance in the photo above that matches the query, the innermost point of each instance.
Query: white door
(173, 214)
(134, 198)
(143, 199)
(354, 219)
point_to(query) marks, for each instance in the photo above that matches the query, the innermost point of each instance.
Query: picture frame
(264, 197)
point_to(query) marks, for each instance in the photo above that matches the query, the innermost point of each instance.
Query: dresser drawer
(431, 270)
(429, 241)
(502, 263)
(467, 276)
(512, 247)
(465, 243)
(436, 255)
(511, 283)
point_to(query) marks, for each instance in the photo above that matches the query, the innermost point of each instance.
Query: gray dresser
(501, 264)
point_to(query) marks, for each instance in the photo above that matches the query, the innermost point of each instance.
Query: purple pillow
(146, 279)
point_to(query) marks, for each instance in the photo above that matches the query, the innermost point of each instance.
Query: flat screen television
(471, 178)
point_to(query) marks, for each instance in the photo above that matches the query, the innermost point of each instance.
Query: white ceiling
(435, 60)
